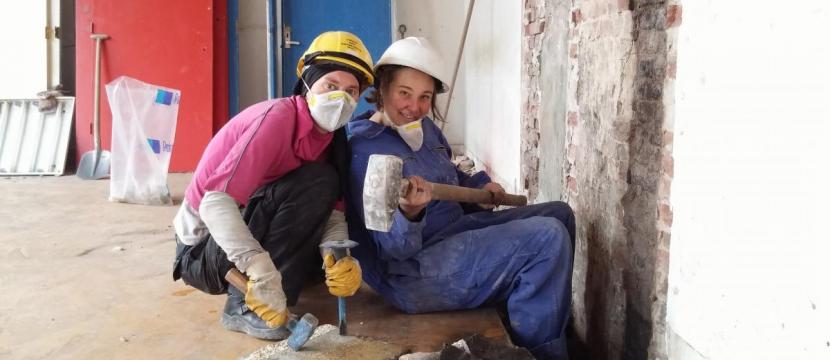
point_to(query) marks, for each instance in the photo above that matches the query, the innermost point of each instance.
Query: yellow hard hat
(340, 47)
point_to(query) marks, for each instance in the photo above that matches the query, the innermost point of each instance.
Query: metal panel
(31, 142)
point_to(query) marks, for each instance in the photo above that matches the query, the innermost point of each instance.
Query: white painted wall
(53, 45)
(484, 119)
(23, 59)
(442, 22)
(750, 251)
(253, 52)
(492, 64)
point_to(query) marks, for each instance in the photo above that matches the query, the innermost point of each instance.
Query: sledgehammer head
(301, 330)
(381, 191)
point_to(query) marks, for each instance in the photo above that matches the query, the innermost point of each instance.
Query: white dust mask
(412, 132)
(331, 110)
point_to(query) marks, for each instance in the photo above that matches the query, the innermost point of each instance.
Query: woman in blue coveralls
(443, 255)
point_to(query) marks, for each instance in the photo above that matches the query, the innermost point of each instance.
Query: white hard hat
(419, 54)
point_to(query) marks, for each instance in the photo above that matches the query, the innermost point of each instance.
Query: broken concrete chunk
(479, 347)
(421, 356)
(464, 163)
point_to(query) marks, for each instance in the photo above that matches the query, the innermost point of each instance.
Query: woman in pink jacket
(266, 193)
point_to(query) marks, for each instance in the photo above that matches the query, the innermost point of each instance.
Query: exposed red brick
(671, 70)
(576, 16)
(662, 259)
(534, 28)
(674, 16)
(572, 185)
(668, 138)
(668, 165)
(622, 5)
(531, 109)
(572, 118)
(572, 51)
(532, 4)
(665, 214)
(572, 148)
(530, 14)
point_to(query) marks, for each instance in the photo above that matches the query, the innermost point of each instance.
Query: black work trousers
(287, 217)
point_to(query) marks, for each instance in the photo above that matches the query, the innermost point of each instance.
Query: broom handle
(96, 100)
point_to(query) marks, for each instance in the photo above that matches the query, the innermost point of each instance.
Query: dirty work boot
(237, 317)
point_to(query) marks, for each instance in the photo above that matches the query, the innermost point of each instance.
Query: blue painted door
(370, 20)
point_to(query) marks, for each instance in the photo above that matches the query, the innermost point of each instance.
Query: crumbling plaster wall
(616, 166)
(545, 37)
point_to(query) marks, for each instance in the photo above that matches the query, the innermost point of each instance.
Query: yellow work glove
(265, 296)
(343, 276)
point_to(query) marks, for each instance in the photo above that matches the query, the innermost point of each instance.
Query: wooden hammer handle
(475, 196)
(237, 279)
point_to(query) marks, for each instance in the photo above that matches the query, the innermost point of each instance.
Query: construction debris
(422, 356)
(465, 164)
(326, 344)
(475, 347)
(48, 101)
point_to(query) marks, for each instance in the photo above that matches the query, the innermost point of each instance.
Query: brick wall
(617, 165)
(533, 21)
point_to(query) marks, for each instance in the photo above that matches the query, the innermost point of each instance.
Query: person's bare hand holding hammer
(498, 195)
(418, 195)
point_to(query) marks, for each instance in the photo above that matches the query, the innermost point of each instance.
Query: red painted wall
(162, 42)
(220, 64)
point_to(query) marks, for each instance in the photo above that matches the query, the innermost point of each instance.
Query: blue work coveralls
(459, 256)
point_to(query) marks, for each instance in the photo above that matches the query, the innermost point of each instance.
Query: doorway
(267, 37)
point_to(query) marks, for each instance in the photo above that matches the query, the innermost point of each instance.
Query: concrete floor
(83, 278)
(68, 292)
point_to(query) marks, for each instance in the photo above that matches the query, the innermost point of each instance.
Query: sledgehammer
(384, 186)
(301, 330)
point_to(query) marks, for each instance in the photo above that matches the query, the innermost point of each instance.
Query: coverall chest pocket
(442, 166)
(411, 166)
(431, 163)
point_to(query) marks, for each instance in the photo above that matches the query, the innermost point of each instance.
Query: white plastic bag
(143, 129)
